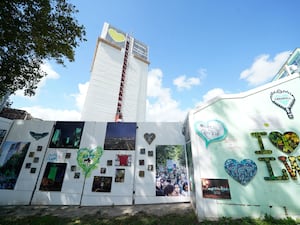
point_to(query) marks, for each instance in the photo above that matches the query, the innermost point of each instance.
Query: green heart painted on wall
(210, 131)
(88, 159)
(286, 142)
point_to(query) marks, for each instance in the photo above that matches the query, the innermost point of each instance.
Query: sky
(198, 49)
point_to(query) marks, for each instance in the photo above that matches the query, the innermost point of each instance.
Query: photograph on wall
(123, 160)
(53, 177)
(171, 171)
(120, 136)
(101, 184)
(12, 156)
(120, 175)
(2, 135)
(66, 135)
(215, 188)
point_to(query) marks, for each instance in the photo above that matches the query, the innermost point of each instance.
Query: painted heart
(213, 130)
(88, 159)
(243, 171)
(149, 137)
(38, 136)
(116, 36)
(286, 142)
(284, 100)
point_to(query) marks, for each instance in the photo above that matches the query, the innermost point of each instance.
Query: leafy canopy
(32, 31)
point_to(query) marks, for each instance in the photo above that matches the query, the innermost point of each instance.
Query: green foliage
(32, 31)
(175, 152)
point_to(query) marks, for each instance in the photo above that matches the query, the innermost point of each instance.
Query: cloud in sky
(264, 68)
(160, 104)
(59, 114)
(210, 95)
(53, 114)
(80, 97)
(183, 82)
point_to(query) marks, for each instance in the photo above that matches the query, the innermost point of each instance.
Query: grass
(141, 219)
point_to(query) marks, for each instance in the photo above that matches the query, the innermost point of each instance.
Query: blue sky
(197, 49)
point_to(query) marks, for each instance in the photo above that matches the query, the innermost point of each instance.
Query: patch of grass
(142, 218)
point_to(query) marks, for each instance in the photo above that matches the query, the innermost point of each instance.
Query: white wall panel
(21, 132)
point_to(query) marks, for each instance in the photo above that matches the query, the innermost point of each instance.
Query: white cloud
(161, 107)
(52, 74)
(59, 114)
(53, 114)
(80, 97)
(210, 95)
(264, 68)
(182, 82)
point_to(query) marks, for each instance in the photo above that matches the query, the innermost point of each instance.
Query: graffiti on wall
(210, 131)
(149, 137)
(38, 136)
(286, 142)
(88, 159)
(284, 100)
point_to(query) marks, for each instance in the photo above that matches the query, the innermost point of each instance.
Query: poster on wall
(2, 135)
(101, 184)
(123, 160)
(171, 171)
(53, 177)
(120, 136)
(215, 188)
(66, 135)
(12, 156)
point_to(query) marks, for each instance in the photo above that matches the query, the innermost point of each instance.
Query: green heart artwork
(286, 142)
(88, 159)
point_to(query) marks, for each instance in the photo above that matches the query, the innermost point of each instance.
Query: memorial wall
(92, 163)
(246, 153)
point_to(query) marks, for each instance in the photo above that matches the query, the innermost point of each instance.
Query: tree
(32, 31)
